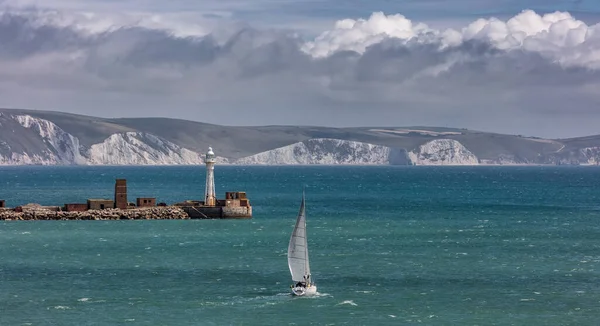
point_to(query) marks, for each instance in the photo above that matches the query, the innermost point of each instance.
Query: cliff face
(137, 148)
(335, 152)
(31, 140)
(578, 156)
(322, 151)
(589, 156)
(41, 142)
(55, 138)
(442, 152)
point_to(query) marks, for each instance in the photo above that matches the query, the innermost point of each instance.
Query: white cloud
(526, 74)
(356, 35)
(557, 36)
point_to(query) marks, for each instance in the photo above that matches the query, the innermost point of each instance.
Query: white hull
(300, 291)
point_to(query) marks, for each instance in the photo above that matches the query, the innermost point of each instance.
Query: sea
(388, 245)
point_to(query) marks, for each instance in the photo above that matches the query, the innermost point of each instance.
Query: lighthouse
(209, 198)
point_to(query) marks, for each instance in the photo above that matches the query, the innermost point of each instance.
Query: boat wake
(257, 301)
(312, 295)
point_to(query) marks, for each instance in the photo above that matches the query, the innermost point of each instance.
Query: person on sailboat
(303, 283)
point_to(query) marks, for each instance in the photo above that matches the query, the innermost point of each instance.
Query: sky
(529, 67)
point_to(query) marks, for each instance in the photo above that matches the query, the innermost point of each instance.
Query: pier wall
(237, 212)
(150, 213)
(206, 212)
(202, 212)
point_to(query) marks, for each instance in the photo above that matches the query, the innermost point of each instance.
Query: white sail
(298, 248)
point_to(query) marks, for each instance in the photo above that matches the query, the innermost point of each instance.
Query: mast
(306, 266)
(209, 194)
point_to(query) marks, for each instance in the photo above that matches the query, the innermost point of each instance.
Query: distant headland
(30, 137)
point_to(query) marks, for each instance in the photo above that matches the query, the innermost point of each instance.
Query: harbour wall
(235, 205)
(204, 212)
(36, 212)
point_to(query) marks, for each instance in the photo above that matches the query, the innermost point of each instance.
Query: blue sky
(314, 14)
(530, 71)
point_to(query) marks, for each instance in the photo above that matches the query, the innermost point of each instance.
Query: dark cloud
(22, 36)
(264, 77)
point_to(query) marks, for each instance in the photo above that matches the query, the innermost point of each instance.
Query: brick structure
(236, 199)
(2, 203)
(146, 202)
(100, 203)
(121, 194)
(76, 207)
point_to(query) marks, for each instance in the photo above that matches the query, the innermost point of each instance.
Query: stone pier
(146, 213)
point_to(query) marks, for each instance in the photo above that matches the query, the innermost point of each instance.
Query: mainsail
(298, 249)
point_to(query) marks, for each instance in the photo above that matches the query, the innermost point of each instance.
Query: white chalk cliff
(48, 144)
(591, 155)
(138, 148)
(54, 146)
(321, 151)
(442, 152)
(27, 140)
(335, 152)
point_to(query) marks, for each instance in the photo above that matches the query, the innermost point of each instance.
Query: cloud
(530, 74)
(557, 36)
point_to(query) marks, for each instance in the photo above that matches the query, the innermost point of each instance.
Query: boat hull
(302, 291)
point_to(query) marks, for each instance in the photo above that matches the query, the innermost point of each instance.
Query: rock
(37, 212)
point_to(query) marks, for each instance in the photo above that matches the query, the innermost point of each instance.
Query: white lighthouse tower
(209, 197)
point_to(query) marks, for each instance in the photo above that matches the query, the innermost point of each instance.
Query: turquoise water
(388, 246)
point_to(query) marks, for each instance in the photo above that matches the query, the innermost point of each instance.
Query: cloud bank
(531, 74)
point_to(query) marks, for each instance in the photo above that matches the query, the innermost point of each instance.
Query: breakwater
(36, 212)
(235, 205)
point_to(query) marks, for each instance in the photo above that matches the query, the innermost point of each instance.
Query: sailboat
(298, 257)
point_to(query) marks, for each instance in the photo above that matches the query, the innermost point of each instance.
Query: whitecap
(350, 302)
(83, 299)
